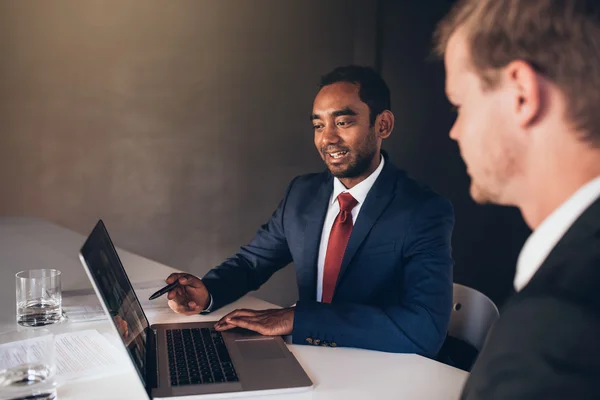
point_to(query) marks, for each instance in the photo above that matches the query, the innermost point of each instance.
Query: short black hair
(372, 89)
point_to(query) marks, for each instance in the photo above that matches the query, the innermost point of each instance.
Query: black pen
(164, 290)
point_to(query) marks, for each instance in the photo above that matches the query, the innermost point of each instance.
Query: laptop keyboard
(198, 356)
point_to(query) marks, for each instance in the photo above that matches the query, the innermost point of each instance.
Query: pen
(164, 290)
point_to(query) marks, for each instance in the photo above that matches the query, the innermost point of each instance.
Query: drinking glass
(39, 300)
(28, 365)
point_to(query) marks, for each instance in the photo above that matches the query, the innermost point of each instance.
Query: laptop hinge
(152, 359)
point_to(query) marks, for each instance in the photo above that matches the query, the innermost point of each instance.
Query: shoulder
(529, 317)
(537, 342)
(571, 272)
(537, 325)
(308, 183)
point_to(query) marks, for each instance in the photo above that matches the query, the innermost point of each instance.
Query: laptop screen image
(117, 294)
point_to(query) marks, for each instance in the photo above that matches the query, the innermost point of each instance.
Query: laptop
(185, 359)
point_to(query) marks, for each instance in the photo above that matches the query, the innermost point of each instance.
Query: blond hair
(560, 39)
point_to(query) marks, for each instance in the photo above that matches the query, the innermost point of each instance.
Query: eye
(344, 123)
(317, 126)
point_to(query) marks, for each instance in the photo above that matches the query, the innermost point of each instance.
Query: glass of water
(39, 300)
(27, 365)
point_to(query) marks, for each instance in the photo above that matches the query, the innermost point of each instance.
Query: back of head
(373, 90)
(560, 39)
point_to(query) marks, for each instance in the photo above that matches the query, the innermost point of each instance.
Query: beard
(494, 182)
(481, 195)
(359, 161)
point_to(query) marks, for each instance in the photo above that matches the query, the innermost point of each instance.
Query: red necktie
(338, 239)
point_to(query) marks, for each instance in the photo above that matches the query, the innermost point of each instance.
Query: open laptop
(184, 359)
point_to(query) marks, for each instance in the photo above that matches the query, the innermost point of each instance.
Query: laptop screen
(118, 295)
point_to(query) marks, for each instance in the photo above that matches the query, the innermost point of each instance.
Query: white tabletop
(337, 373)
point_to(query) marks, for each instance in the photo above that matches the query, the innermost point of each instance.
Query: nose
(454, 132)
(329, 135)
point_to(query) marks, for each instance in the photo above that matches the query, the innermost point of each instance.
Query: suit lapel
(572, 265)
(314, 216)
(582, 230)
(379, 197)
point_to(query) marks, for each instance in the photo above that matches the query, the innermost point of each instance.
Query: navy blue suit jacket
(394, 290)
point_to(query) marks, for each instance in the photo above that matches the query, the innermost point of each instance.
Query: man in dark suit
(525, 78)
(370, 245)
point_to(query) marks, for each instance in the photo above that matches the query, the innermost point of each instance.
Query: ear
(527, 84)
(384, 124)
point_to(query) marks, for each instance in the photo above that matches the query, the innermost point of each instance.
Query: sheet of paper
(156, 304)
(15, 353)
(82, 308)
(79, 355)
(87, 354)
(84, 313)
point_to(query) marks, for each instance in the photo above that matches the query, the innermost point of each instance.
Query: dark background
(181, 123)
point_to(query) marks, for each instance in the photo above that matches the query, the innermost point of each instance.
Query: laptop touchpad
(259, 349)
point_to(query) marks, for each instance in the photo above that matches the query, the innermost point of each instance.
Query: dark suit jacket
(394, 291)
(546, 344)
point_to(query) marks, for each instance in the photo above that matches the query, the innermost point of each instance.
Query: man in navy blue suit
(371, 246)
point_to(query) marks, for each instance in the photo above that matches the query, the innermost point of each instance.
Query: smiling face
(346, 141)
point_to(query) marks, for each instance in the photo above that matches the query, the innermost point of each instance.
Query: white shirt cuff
(210, 306)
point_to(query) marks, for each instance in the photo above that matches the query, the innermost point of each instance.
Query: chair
(473, 314)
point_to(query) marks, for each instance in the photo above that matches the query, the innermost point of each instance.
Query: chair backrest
(473, 314)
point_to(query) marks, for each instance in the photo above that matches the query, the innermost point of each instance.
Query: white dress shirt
(541, 242)
(359, 192)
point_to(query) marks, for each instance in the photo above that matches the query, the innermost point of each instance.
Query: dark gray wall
(487, 239)
(180, 123)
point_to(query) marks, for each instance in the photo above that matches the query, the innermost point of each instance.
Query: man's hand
(190, 297)
(265, 322)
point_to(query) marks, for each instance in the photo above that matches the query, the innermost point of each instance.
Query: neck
(555, 179)
(349, 183)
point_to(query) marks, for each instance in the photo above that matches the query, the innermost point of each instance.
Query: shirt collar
(360, 191)
(541, 242)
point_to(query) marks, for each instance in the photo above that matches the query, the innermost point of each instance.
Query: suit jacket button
(309, 340)
(316, 342)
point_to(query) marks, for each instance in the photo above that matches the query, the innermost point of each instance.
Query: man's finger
(239, 313)
(246, 323)
(175, 293)
(173, 305)
(242, 312)
(227, 322)
(192, 306)
(179, 300)
(182, 309)
(223, 326)
(173, 277)
(190, 280)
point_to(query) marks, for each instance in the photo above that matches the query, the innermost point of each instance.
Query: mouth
(337, 155)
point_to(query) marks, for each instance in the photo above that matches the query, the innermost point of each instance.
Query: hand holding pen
(186, 293)
(164, 290)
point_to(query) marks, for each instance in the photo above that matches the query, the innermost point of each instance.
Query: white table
(338, 373)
